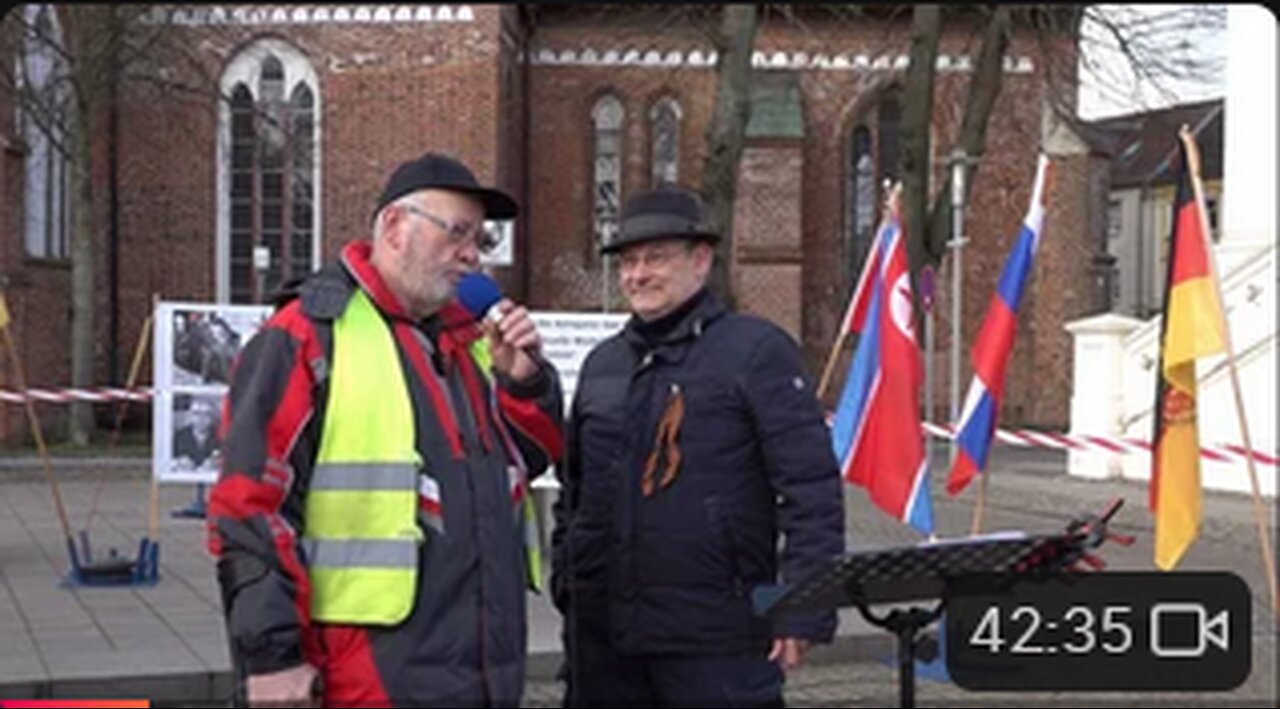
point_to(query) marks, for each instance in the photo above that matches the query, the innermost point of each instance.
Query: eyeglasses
(459, 232)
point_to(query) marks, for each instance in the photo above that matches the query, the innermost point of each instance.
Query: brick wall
(36, 290)
(565, 273)
(512, 140)
(389, 91)
(767, 218)
(386, 94)
(565, 269)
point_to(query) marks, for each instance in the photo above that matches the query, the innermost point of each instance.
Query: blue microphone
(479, 294)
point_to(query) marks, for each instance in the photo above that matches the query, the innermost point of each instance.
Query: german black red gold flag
(1192, 327)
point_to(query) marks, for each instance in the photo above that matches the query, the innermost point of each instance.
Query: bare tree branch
(43, 103)
(984, 88)
(1124, 48)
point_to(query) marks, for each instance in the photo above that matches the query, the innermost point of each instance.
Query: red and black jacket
(464, 642)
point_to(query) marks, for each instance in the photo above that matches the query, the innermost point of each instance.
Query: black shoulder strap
(324, 297)
(325, 294)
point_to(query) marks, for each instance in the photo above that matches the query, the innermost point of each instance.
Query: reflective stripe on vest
(361, 534)
(526, 513)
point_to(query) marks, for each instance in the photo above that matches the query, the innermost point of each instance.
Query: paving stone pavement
(166, 642)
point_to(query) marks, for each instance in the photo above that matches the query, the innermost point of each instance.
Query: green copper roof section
(775, 105)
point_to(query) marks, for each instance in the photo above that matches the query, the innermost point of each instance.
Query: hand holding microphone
(513, 337)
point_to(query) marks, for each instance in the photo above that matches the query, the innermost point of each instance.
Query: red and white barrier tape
(64, 396)
(1024, 438)
(1222, 453)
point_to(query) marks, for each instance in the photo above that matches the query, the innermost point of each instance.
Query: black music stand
(933, 570)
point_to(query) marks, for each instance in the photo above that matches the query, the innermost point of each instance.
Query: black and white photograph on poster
(205, 343)
(195, 346)
(195, 446)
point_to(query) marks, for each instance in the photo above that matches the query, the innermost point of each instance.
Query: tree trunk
(917, 112)
(89, 31)
(984, 88)
(726, 133)
(82, 267)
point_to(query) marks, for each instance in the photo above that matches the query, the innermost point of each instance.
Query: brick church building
(571, 110)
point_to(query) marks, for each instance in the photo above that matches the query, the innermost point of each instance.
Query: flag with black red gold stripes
(1192, 327)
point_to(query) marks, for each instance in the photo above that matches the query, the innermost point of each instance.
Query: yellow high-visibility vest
(361, 531)
(361, 534)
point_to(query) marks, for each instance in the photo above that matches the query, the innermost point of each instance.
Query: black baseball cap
(442, 172)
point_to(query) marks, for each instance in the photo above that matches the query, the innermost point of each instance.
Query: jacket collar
(690, 326)
(452, 318)
(355, 259)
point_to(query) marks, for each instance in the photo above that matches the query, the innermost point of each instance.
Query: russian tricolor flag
(991, 350)
(876, 432)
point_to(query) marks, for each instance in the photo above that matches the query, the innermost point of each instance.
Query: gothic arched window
(871, 164)
(269, 173)
(606, 117)
(664, 121)
(44, 108)
(860, 201)
(888, 129)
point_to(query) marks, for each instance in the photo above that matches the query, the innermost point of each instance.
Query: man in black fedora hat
(694, 443)
(369, 518)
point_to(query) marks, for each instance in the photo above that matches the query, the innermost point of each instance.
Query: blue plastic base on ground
(143, 570)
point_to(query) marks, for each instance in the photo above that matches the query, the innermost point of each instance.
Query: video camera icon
(1180, 630)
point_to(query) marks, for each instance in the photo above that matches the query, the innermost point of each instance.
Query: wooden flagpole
(1268, 559)
(891, 202)
(831, 361)
(130, 382)
(980, 507)
(20, 380)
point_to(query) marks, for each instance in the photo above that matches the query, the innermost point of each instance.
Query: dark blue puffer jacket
(673, 572)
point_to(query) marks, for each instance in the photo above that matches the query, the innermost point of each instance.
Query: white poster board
(193, 347)
(567, 338)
